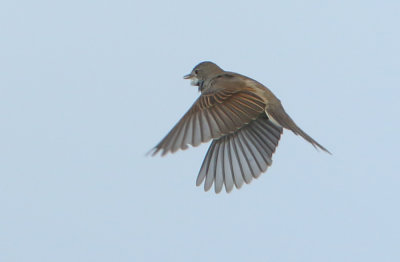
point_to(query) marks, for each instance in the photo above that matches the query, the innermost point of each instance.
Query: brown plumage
(243, 118)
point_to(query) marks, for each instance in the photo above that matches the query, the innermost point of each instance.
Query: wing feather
(239, 157)
(217, 112)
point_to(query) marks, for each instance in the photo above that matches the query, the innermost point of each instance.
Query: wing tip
(152, 152)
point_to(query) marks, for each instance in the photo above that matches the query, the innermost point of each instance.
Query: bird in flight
(244, 120)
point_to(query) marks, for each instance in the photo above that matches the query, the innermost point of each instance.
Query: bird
(243, 119)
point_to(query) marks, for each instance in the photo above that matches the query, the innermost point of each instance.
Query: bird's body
(243, 118)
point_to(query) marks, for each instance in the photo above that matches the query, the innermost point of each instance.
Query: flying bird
(244, 120)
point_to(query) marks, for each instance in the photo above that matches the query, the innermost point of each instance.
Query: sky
(87, 88)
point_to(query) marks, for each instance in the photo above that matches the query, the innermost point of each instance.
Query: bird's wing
(220, 110)
(241, 156)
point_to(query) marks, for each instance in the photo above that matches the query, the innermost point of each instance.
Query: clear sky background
(88, 87)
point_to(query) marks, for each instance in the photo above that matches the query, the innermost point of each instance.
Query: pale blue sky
(88, 87)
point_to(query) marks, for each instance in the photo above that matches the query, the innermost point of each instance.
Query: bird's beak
(189, 76)
(194, 81)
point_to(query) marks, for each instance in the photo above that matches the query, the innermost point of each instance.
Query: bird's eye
(196, 71)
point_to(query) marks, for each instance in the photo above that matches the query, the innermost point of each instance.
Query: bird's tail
(282, 118)
(297, 130)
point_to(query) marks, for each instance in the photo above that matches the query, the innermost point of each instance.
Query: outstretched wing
(237, 158)
(217, 112)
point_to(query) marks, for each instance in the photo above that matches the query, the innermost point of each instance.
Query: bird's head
(203, 72)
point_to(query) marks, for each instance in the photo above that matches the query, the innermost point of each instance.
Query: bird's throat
(194, 81)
